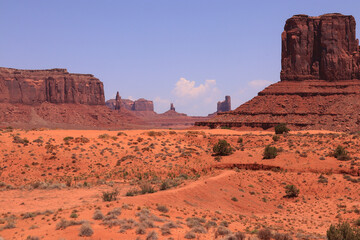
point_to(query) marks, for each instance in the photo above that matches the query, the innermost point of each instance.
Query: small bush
(239, 236)
(31, 238)
(264, 234)
(115, 212)
(86, 230)
(109, 196)
(343, 231)
(154, 134)
(340, 153)
(162, 208)
(63, 224)
(222, 148)
(104, 136)
(291, 191)
(222, 231)
(198, 229)
(270, 152)
(281, 128)
(322, 179)
(98, 215)
(276, 138)
(282, 236)
(66, 139)
(140, 230)
(357, 222)
(17, 139)
(190, 235)
(152, 236)
(146, 188)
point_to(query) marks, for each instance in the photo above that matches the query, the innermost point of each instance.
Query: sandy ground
(167, 183)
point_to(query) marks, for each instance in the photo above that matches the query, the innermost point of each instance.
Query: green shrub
(357, 222)
(154, 134)
(73, 215)
(340, 153)
(162, 208)
(66, 139)
(322, 179)
(222, 148)
(291, 191)
(276, 138)
(146, 188)
(17, 139)
(104, 136)
(281, 128)
(264, 234)
(343, 231)
(109, 196)
(282, 236)
(270, 152)
(86, 230)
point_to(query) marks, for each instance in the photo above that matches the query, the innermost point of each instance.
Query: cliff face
(323, 47)
(32, 87)
(320, 80)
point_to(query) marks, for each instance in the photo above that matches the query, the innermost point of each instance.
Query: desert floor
(54, 184)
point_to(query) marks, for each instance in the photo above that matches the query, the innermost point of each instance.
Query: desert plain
(167, 184)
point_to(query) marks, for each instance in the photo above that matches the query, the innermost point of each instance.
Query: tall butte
(320, 80)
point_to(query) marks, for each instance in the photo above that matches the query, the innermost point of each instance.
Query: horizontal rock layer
(310, 104)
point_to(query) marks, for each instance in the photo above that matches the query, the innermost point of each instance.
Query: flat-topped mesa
(32, 87)
(143, 105)
(323, 48)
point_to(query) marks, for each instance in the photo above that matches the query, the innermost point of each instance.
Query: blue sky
(190, 52)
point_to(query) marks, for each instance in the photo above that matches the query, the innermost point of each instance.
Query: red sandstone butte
(55, 98)
(322, 47)
(319, 87)
(54, 86)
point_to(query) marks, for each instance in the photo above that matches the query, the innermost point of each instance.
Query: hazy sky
(190, 52)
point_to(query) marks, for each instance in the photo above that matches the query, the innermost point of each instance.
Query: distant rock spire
(172, 108)
(117, 101)
(224, 106)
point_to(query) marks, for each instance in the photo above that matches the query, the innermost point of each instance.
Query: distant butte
(319, 87)
(144, 110)
(55, 98)
(33, 87)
